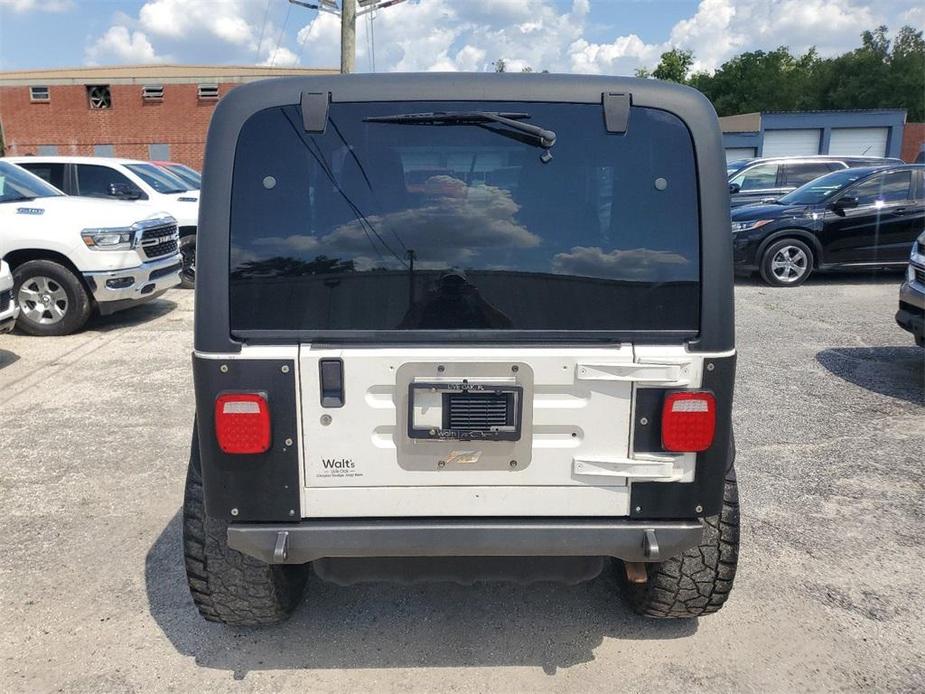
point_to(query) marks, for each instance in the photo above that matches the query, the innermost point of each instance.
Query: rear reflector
(242, 423)
(688, 421)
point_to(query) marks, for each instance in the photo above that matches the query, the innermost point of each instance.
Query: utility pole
(348, 36)
(348, 23)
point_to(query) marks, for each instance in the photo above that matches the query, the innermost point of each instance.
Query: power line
(263, 27)
(348, 14)
(282, 30)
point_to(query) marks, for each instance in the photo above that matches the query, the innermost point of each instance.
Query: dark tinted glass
(823, 188)
(799, 173)
(94, 181)
(384, 226)
(160, 179)
(53, 173)
(17, 184)
(891, 187)
(189, 176)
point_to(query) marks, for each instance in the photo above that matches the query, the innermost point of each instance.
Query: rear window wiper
(540, 137)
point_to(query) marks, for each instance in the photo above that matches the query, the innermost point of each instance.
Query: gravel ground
(829, 420)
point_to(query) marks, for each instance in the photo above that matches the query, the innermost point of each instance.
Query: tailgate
(475, 431)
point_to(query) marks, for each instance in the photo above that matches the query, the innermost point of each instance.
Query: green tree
(881, 73)
(674, 66)
(761, 81)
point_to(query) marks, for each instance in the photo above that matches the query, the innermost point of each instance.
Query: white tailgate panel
(581, 412)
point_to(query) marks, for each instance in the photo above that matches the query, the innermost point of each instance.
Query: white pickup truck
(140, 182)
(72, 256)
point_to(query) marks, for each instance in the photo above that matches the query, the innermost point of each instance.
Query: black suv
(850, 218)
(757, 180)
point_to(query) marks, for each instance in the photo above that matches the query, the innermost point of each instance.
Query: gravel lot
(94, 433)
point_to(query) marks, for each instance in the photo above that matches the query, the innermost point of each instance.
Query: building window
(208, 92)
(47, 150)
(99, 97)
(39, 94)
(152, 92)
(159, 152)
(103, 151)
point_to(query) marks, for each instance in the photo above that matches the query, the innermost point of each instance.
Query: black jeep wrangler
(456, 316)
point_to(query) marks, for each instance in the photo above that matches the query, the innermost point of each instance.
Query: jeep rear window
(384, 226)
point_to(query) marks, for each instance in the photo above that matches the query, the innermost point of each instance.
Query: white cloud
(421, 35)
(914, 17)
(720, 29)
(281, 57)
(38, 5)
(120, 45)
(234, 21)
(636, 264)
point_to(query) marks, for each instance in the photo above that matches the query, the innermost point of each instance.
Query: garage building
(876, 133)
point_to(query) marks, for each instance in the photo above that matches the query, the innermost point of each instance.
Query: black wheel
(228, 586)
(698, 582)
(188, 255)
(52, 299)
(786, 263)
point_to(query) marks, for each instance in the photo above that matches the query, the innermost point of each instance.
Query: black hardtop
(212, 330)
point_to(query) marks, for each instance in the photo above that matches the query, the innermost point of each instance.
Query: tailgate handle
(637, 373)
(331, 375)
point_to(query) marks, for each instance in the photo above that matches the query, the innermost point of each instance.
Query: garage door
(790, 143)
(859, 141)
(736, 153)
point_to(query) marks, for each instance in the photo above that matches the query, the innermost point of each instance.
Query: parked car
(8, 308)
(466, 368)
(911, 313)
(71, 256)
(126, 179)
(185, 173)
(757, 180)
(863, 217)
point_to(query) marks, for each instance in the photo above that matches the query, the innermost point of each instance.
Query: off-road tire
(79, 305)
(228, 586)
(697, 582)
(766, 269)
(187, 248)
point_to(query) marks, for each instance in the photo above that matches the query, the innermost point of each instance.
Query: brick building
(157, 112)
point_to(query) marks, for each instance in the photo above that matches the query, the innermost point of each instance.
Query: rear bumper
(298, 543)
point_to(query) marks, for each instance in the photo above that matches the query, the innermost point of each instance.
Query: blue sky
(603, 36)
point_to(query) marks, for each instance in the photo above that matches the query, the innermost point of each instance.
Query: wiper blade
(543, 137)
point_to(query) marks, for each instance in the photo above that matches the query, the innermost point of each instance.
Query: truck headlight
(749, 225)
(108, 239)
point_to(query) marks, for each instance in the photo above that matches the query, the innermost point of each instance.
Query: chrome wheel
(789, 264)
(42, 300)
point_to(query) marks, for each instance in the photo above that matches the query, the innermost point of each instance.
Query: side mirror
(846, 202)
(734, 188)
(124, 191)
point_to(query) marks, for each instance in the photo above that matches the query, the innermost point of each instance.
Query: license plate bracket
(464, 411)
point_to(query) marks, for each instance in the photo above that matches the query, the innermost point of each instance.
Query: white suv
(71, 256)
(126, 179)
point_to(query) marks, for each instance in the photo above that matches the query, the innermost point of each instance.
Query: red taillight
(242, 423)
(688, 421)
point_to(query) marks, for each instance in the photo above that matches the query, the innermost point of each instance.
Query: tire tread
(699, 581)
(226, 585)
